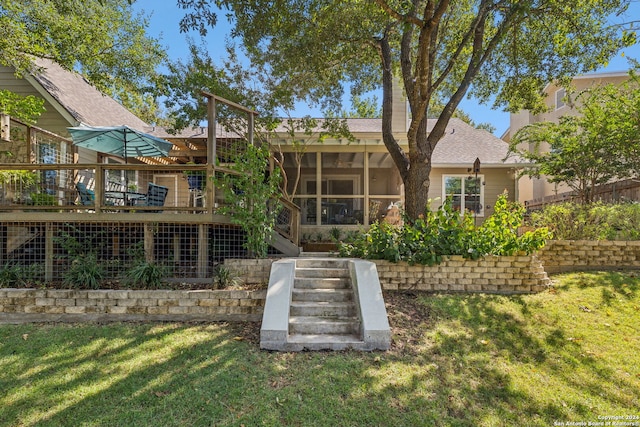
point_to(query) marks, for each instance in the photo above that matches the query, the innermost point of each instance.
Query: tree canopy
(103, 40)
(600, 143)
(492, 49)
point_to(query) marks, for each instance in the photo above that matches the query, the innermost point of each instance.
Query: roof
(80, 99)
(460, 145)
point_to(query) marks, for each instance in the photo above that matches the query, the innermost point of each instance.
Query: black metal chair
(156, 196)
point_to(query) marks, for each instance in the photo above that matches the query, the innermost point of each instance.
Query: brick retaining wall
(581, 255)
(129, 305)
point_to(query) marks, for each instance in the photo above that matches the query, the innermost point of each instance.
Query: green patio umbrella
(121, 141)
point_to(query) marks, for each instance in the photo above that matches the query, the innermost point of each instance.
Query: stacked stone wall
(127, 305)
(582, 255)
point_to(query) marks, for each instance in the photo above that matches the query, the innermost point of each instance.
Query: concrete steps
(324, 304)
(323, 314)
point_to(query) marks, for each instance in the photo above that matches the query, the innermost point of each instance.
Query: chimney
(400, 120)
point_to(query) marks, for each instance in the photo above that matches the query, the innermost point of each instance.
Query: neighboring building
(538, 188)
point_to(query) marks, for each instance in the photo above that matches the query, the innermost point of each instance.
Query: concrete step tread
(323, 291)
(323, 303)
(331, 272)
(328, 339)
(322, 319)
(321, 282)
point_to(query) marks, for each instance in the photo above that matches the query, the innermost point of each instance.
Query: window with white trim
(465, 191)
(560, 94)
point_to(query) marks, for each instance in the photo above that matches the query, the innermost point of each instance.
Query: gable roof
(459, 147)
(77, 100)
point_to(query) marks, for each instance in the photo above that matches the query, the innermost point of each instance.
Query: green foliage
(145, 275)
(104, 40)
(43, 199)
(25, 108)
(225, 277)
(85, 272)
(592, 148)
(77, 242)
(19, 178)
(11, 276)
(335, 234)
(19, 276)
(598, 221)
(447, 232)
(500, 52)
(251, 197)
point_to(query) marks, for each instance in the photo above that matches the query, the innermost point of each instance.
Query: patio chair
(156, 195)
(87, 197)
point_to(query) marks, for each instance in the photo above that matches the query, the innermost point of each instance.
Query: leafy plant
(145, 275)
(249, 192)
(11, 276)
(335, 234)
(598, 221)
(224, 277)
(85, 272)
(447, 232)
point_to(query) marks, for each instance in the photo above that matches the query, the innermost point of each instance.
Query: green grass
(571, 354)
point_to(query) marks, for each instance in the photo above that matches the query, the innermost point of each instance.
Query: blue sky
(165, 16)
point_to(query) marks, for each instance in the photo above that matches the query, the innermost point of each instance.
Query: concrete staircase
(323, 313)
(324, 304)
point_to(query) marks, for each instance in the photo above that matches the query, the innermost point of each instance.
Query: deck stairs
(316, 304)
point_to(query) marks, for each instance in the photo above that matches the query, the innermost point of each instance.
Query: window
(560, 94)
(466, 192)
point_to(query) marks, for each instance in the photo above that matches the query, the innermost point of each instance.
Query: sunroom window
(466, 192)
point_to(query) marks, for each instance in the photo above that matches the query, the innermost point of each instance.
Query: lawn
(571, 354)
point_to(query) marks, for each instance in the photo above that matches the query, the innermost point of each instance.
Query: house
(342, 184)
(536, 189)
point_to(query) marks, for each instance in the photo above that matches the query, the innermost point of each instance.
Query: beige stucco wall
(535, 188)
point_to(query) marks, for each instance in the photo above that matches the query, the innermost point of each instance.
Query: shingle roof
(461, 143)
(82, 100)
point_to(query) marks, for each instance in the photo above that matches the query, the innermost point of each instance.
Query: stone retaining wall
(128, 305)
(515, 274)
(491, 274)
(580, 255)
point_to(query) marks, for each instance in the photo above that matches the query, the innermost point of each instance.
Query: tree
(101, 39)
(501, 48)
(591, 148)
(251, 88)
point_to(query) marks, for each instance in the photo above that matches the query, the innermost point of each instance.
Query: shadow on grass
(457, 360)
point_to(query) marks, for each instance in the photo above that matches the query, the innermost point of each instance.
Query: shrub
(598, 221)
(145, 275)
(447, 232)
(85, 272)
(11, 276)
(224, 277)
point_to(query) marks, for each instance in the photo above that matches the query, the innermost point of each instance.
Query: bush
(224, 277)
(85, 272)
(145, 275)
(597, 221)
(447, 232)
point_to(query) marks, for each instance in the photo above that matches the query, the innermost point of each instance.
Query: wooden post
(148, 242)
(212, 142)
(203, 250)
(48, 252)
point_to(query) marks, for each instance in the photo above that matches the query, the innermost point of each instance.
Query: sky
(165, 16)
